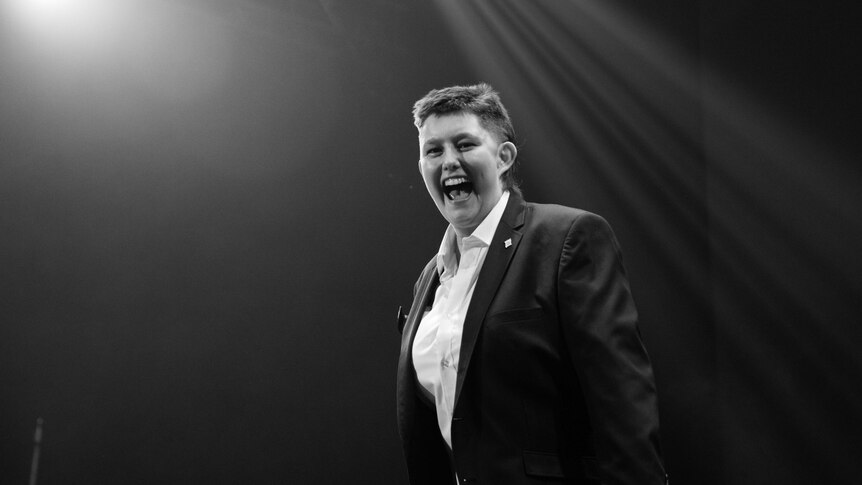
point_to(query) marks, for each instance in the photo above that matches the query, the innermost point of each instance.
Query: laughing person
(521, 361)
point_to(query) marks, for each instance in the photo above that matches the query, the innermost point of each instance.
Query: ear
(507, 152)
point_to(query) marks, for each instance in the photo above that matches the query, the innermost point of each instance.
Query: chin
(460, 219)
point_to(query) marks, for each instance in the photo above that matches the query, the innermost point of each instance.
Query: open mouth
(457, 188)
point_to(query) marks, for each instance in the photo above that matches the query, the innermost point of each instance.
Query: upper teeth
(454, 181)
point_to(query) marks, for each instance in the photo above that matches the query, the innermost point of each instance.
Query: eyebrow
(457, 137)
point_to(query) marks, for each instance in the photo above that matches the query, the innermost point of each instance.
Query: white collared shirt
(437, 346)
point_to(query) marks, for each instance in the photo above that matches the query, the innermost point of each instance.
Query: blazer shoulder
(569, 223)
(561, 214)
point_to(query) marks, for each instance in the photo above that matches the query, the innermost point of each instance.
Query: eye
(432, 151)
(466, 145)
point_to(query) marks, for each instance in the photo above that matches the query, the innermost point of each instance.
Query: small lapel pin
(507, 243)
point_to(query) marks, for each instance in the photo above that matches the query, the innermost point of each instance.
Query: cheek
(484, 175)
(430, 174)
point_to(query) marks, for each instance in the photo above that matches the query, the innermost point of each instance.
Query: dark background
(210, 210)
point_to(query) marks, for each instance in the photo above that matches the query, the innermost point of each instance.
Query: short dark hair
(479, 99)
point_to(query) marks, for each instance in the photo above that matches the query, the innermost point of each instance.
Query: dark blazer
(553, 381)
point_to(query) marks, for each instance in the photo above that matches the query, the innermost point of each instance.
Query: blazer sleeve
(599, 322)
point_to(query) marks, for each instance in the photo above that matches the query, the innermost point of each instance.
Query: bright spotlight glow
(68, 25)
(42, 7)
(176, 50)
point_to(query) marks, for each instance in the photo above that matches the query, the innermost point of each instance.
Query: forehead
(441, 127)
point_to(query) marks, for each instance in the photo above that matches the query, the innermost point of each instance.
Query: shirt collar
(483, 234)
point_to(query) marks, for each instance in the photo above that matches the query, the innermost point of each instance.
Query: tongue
(459, 194)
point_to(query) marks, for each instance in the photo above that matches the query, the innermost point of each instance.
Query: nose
(451, 160)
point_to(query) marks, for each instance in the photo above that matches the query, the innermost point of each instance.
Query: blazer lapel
(424, 297)
(503, 246)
